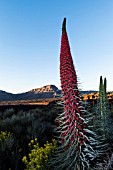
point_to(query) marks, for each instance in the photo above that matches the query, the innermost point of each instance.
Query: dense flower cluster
(72, 105)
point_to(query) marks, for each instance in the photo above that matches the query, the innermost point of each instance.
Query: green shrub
(9, 153)
(25, 125)
(8, 112)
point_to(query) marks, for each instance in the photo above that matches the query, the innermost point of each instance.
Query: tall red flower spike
(76, 149)
(72, 105)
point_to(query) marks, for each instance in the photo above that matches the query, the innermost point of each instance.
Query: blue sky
(30, 35)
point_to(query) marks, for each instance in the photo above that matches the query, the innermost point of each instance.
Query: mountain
(48, 91)
(5, 96)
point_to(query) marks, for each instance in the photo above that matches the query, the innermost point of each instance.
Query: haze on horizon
(30, 35)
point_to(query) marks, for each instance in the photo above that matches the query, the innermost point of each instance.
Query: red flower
(70, 90)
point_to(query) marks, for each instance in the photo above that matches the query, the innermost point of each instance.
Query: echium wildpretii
(76, 149)
(72, 103)
(103, 111)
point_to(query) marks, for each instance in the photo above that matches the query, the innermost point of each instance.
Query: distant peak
(47, 88)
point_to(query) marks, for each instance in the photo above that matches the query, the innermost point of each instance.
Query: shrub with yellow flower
(38, 156)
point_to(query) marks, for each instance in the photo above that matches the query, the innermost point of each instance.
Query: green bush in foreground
(38, 156)
(6, 145)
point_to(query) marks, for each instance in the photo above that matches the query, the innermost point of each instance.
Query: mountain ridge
(48, 91)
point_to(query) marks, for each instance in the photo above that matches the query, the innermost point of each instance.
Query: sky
(30, 38)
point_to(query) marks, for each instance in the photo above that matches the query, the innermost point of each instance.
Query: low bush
(10, 156)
